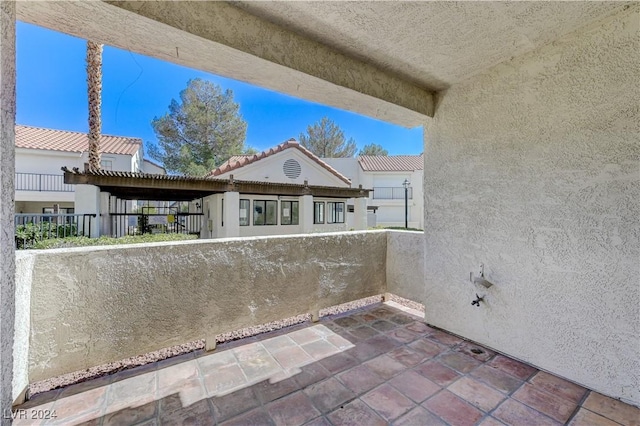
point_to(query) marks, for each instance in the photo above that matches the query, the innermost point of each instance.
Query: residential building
(41, 153)
(387, 175)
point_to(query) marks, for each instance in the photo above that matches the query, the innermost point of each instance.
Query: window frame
(248, 209)
(316, 219)
(264, 205)
(333, 213)
(290, 203)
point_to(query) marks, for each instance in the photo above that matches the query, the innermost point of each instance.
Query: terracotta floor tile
(514, 413)
(320, 349)
(554, 407)
(137, 390)
(512, 367)
(224, 380)
(278, 343)
(385, 366)
(89, 384)
(437, 372)
(415, 386)
(365, 317)
(401, 319)
(478, 352)
(403, 335)
(453, 410)
(444, 338)
(174, 375)
(256, 417)
(320, 421)
(363, 332)
(476, 393)
(383, 325)
(427, 347)
(195, 414)
(407, 356)
(490, 421)
(364, 351)
(230, 405)
(356, 413)
(310, 374)
(267, 391)
(340, 342)
(295, 409)
(383, 312)
(131, 416)
(587, 418)
(558, 386)
(292, 357)
(188, 391)
(419, 417)
(459, 361)
(388, 402)
(497, 378)
(360, 379)
(84, 402)
(347, 322)
(216, 360)
(305, 335)
(612, 409)
(383, 343)
(328, 395)
(339, 362)
(418, 327)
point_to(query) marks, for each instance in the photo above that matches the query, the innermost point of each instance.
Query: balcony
(90, 311)
(391, 193)
(41, 183)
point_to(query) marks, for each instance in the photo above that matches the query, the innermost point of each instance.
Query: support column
(105, 217)
(231, 214)
(360, 213)
(87, 201)
(306, 214)
(7, 204)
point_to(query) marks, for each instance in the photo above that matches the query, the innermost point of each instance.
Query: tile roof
(63, 140)
(238, 161)
(395, 163)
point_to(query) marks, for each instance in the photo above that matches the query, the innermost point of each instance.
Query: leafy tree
(326, 139)
(200, 132)
(373, 149)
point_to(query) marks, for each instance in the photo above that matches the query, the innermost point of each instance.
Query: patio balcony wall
(88, 306)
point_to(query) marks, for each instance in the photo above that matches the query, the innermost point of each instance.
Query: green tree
(326, 139)
(373, 149)
(200, 132)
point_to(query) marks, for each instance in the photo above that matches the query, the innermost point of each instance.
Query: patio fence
(31, 228)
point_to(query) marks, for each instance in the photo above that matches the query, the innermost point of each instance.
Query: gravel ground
(125, 364)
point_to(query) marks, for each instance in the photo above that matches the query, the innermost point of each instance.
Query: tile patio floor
(372, 366)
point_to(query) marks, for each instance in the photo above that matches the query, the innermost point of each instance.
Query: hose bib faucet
(477, 301)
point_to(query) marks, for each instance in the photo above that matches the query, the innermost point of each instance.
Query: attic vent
(291, 168)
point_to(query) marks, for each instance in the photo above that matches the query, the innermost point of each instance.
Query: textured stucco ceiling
(432, 44)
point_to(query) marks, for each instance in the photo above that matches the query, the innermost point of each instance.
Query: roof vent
(292, 169)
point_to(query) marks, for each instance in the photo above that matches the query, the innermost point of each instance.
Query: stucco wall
(405, 264)
(95, 305)
(532, 168)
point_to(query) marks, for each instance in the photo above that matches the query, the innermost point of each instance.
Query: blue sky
(51, 92)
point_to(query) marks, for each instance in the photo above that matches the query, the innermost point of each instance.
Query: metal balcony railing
(390, 193)
(41, 182)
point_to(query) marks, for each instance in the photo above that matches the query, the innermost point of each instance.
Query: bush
(105, 241)
(29, 234)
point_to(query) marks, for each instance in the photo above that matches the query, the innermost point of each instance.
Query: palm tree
(94, 89)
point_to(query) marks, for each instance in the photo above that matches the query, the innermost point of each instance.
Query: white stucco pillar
(306, 214)
(105, 218)
(360, 213)
(87, 201)
(7, 203)
(231, 214)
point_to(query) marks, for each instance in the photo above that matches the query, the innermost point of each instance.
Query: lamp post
(406, 185)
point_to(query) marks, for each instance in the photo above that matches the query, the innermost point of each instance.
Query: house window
(245, 206)
(265, 212)
(335, 212)
(289, 213)
(106, 164)
(318, 212)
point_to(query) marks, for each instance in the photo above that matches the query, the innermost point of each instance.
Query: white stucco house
(386, 176)
(290, 164)
(41, 153)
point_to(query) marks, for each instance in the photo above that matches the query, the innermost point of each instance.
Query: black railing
(390, 193)
(41, 182)
(31, 228)
(155, 223)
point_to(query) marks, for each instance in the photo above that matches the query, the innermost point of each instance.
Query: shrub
(105, 241)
